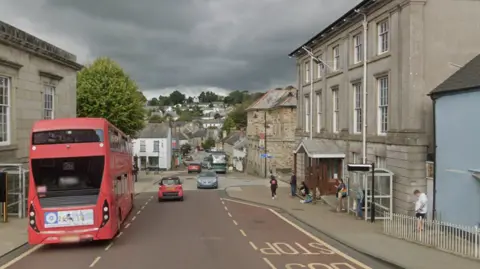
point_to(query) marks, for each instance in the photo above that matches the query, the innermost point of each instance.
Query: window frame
(357, 49)
(8, 124)
(49, 112)
(307, 113)
(307, 72)
(320, 66)
(143, 145)
(383, 88)
(336, 57)
(357, 108)
(318, 104)
(335, 110)
(383, 35)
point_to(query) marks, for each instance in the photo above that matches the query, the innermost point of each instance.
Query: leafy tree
(104, 90)
(189, 100)
(164, 101)
(217, 116)
(208, 143)
(155, 119)
(185, 116)
(176, 97)
(153, 102)
(210, 105)
(185, 149)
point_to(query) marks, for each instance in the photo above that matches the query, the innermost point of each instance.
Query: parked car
(205, 163)
(194, 167)
(170, 188)
(207, 180)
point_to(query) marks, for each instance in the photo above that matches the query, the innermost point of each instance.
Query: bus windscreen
(67, 136)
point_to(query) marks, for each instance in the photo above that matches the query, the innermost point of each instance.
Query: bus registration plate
(70, 238)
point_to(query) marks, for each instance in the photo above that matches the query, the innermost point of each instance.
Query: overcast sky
(191, 45)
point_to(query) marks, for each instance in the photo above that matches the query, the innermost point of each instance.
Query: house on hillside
(271, 130)
(37, 81)
(153, 147)
(239, 154)
(409, 52)
(457, 162)
(198, 137)
(229, 142)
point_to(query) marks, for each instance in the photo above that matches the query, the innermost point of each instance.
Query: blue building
(456, 104)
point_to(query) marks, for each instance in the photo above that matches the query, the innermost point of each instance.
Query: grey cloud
(230, 44)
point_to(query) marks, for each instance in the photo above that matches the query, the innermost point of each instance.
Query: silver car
(207, 180)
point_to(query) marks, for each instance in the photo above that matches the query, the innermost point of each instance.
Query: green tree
(210, 105)
(176, 97)
(185, 116)
(189, 100)
(104, 90)
(185, 149)
(153, 102)
(208, 143)
(155, 119)
(164, 101)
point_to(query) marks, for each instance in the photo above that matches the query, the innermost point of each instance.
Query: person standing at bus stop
(293, 185)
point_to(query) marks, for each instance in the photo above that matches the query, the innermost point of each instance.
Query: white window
(48, 103)
(383, 105)
(355, 158)
(319, 111)
(380, 162)
(4, 111)
(156, 146)
(336, 58)
(336, 111)
(357, 108)
(383, 29)
(357, 49)
(307, 72)
(320, 66)
(307, 114)
(143, 146)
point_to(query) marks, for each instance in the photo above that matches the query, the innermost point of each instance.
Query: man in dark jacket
(293, 184)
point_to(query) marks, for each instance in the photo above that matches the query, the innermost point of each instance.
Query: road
(204, 231)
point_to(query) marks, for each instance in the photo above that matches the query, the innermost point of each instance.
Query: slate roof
(200, 133)
(180, 136)
(325, 147)
(276, 98)
(155, 130)
(232, 138)
(466, 78)
(242, 143)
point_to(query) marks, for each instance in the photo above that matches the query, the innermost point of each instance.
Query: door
(332, 170)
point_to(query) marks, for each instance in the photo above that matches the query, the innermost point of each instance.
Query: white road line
(109, 246)
(23, 255)
(143, 207)
(120, 234)
(338, 252)
(226, 209)
(134, 217)
(95, 261)
(253, 245)
(128, 225)
(267, 261)
(223, 202)
(234, 222)
(230, 215)
(151, 197)
(138, 213)
(243, 233)
(316, 239)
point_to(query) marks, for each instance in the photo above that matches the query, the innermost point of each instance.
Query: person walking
(135, 172)
(420, 209)
(273, 186)
(293, 185)
(341, 194)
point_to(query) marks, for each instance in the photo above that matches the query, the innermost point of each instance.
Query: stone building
(409, 52)
(274, 114)
(37, 81)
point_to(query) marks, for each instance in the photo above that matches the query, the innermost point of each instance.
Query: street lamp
(317, 60)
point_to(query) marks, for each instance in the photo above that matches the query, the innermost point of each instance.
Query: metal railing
(457, 239)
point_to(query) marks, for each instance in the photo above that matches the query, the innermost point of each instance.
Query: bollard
(3, 195)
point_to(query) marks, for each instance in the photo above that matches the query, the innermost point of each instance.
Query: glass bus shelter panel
(382, 194)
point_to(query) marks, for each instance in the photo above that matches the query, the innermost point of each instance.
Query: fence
(17, 186)
(457, 239)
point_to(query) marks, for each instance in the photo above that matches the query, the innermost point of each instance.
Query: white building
(153, 147)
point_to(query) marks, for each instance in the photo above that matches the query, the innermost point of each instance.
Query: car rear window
(170, 181)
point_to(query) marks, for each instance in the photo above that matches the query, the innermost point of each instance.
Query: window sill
(355, 66)
(334, 73)
(379, 57)
(8, 147)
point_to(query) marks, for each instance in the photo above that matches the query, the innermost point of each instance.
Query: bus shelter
(379, 193)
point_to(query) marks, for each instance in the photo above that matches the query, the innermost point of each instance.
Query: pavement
(364, 237)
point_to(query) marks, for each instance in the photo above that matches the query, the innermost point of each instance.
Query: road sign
(266, 155)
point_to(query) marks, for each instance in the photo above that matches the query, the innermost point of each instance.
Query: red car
(194, 167)
(170, 188)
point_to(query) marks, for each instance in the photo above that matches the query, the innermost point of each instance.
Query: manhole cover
(298, 209)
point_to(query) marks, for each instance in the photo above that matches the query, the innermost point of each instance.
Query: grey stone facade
(28, 68)
(427, 41)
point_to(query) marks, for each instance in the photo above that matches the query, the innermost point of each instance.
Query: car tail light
(32, 215)
(179, 187)
(105, 213)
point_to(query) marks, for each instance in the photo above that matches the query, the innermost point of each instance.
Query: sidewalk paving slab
(362, 236)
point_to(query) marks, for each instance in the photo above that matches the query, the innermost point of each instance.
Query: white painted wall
(165, 154)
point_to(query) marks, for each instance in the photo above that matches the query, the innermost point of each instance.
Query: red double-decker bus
(81, 183)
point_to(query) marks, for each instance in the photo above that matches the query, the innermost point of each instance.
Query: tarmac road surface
(202, 232)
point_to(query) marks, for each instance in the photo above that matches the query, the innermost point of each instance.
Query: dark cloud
(229, 44)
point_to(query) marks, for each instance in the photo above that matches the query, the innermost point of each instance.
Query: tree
(155, 119)
(209, 143)
(185, 115)
(164, 101)
(185, 149)
(104, 90)
(189, 100)
(153, 102)
(210, 105)
(217, 116)
(176, 97)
